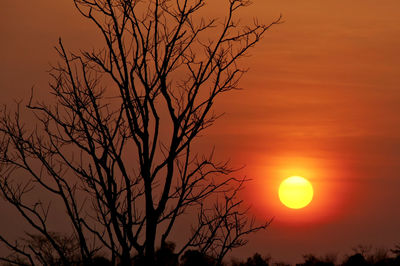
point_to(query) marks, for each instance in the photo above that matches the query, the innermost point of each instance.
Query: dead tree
(115, 148)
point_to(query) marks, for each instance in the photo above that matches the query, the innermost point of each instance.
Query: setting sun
(295, 192)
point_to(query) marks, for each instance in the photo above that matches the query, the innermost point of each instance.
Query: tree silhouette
(115, 145)
(311, 260)
(44, 253)
(255, 260)
(196, 258)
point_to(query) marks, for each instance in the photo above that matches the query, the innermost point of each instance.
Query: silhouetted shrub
(356, 260)
(311, 260)
(396, 250)
(256, 260)
(165, 255)
(280, 264)
(196, 258)
(100, 261)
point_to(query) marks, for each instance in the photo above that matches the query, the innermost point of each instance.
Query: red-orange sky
(321, 99)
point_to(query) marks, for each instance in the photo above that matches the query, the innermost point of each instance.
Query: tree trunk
(151, 227)
(126, 259)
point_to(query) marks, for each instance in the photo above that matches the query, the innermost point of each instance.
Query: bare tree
(43, 251)
(116, 147)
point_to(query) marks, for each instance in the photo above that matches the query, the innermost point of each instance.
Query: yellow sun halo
(295, 192)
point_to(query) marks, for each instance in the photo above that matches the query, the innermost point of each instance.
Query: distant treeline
(361, 256)
(166, 256)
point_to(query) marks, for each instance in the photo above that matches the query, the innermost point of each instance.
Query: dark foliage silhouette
(311, 260)
(255, 260)
(356, 259)
(196, 258)
(166, 256)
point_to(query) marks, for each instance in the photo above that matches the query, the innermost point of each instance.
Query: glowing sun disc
(295, 192)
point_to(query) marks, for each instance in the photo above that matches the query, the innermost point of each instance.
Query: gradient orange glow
(329, 194)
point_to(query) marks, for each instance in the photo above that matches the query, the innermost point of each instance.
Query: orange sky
(321, 99)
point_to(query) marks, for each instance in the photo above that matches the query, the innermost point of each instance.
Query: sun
(296, 192)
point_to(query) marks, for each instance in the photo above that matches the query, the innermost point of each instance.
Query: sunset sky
(321, 100)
